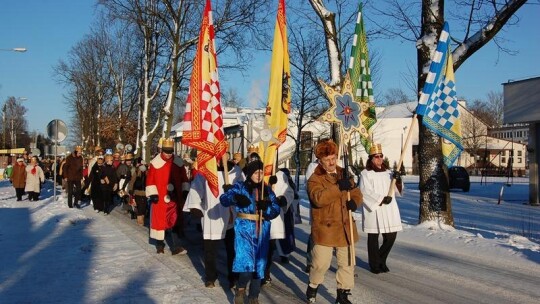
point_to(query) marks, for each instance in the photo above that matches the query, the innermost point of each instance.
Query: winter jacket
(34, 178)
(330, 224)
(108, 175)
(18, 176)
(73, 168)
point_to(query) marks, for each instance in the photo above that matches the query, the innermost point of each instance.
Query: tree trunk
(435, 203)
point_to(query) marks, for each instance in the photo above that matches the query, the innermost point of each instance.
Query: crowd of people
(252, 215)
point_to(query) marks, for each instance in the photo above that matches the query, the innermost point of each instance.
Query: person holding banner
(217, 220)
(380, 212)
(332, 196)
(255, 204)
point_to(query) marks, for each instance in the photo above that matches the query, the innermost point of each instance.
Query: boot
(140, 220)
(239, 296)
(311, 293)
(342, 295)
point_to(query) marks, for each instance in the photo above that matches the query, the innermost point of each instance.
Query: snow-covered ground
(52, 254)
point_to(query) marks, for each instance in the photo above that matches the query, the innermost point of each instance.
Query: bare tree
(230, 98)
(395, 96)
(14, 123)
(307, 60)
(422, 23)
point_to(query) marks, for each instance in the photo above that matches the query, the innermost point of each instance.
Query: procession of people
(251, 217)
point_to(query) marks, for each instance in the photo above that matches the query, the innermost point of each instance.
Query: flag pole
(403, 150)
(352, 253)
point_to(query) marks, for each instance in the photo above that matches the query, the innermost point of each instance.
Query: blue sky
(48, 29)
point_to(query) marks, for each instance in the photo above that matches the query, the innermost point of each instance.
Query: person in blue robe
(255, 205)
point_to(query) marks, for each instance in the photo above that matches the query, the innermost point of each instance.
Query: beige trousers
(322, 258)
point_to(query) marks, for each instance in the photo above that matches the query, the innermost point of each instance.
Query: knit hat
(252, 167)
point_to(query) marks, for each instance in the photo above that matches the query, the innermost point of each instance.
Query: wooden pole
(403, 149)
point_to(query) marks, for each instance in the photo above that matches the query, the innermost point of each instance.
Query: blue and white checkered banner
(438, 103)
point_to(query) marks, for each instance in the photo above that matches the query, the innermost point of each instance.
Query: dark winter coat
(73, 168)
(18, 176)
(109, 173)
(330, 216)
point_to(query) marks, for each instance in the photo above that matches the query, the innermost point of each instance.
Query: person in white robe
(380, 212)
(217, 221)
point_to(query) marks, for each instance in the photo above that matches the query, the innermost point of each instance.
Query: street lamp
(18, 49)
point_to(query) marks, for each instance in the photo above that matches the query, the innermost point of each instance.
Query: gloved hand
(387, 200)
(272, 180)
(242, 201)
(263, 205)
(344, 184)
(351, 205)
(396, 175)
(282, 201)
(153, 199)
(227, 187)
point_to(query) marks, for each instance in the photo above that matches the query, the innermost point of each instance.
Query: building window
(519, 160)
(519, 153)
(503, 160)
(306, 140)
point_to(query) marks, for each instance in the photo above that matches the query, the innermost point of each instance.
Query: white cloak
(375, 218)
(216, 218)
(281, 188)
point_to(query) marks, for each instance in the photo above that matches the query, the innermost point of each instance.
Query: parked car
(458, 178)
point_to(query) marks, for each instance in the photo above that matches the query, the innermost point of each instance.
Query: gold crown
(167, 143)
(78, 148)
(252, 149)
(375, 149)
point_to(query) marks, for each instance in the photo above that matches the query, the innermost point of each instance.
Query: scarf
(34, 170)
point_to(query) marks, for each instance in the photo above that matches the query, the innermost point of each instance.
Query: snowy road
(52, 254)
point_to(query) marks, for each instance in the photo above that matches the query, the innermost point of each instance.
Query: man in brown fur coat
(330, 226)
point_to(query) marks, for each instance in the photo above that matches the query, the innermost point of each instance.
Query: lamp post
(17, 49)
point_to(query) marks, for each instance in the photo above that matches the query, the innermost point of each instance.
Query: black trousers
(107, 200)
(19, 193)
(211, 253)
(74, 189)
(377, 255)
(269, 258)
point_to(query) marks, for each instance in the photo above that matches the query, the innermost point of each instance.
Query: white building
(241, 127)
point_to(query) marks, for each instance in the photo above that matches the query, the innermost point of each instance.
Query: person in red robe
(164, 182)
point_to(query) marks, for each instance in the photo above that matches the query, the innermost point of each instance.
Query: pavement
(287, 284)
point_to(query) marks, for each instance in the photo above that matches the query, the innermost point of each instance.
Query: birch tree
(422, 22)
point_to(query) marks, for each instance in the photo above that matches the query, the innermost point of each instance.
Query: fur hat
(375, 149)
(325, 148)
(252, 167)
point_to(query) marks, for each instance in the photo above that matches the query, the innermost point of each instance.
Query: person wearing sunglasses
(380, 212)
(164, 187)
